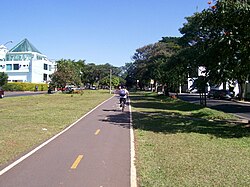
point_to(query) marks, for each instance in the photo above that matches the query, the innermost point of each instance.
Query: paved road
(241, 109)
(94, 152)
(22, 93)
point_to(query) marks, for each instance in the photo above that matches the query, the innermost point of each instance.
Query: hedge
(23, 86)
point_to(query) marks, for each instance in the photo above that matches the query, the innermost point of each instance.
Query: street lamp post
(8, 42)
(3, 46)
(4, 50)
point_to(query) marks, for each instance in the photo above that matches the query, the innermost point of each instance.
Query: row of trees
(218, 38)
(70, 72)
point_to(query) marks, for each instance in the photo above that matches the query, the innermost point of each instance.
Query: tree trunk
(156, 86)
(224, 85)
(241, 90)
(166, 90)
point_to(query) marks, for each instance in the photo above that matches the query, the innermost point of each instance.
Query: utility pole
(110, 77)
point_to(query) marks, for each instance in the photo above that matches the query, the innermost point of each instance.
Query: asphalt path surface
(238, 108)
(95, 151)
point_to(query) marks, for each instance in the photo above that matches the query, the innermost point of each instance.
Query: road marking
(97, 131)
(77, 161)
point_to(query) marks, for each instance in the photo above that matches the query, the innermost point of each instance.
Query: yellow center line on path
(97, 131)
(77, 161)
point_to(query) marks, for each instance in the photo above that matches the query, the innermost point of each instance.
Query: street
(22, 93)
(95, 151)
(237, 108)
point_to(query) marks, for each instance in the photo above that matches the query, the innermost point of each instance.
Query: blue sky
(98, 31)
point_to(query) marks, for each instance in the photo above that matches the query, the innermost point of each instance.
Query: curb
(133, 175)
(243, 102)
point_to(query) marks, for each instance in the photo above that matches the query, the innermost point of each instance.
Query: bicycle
(123, 104)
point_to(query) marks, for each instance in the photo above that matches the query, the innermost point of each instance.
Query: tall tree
(3, 78)
(67, 72)
(95, 73)
(220, 37)
(150, 59)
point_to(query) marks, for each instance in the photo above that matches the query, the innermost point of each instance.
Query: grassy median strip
(182, 144)
(29, 120)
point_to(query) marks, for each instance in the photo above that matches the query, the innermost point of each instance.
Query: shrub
(24, 86)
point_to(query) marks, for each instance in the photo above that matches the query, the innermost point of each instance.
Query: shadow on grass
(156, 102)
(163, 122)
(169, 121)
(232, 108)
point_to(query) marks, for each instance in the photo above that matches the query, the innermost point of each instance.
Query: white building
(24, 63)
(3, 51)
(226, 85)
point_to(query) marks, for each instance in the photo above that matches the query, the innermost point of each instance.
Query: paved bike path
(94, 152)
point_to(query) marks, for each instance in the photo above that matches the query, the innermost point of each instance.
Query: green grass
(29, 120)
(179, 144)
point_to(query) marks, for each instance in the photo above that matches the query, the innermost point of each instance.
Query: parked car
(192, 90)
(70, 88)
(92, 87)
(211, 93)
(1, 93)
(61, 89)
(220, 94)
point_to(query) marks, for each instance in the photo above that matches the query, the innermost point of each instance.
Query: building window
(45, 66)
(9, 57)
(50, 67)
(17, 80)
(8, 67)
(17, 57)
(39, 57)
(24, 57)
(16, 66)
(45, 77)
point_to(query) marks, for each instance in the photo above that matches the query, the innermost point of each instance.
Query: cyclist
(123, 92)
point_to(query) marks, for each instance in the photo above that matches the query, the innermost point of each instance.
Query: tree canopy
(150, 61)
(67, 73)
(216, 38)
(220, 38)
(70, 72)
(3, 78)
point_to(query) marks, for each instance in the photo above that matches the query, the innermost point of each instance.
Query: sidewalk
(243, 102)
(196, 94)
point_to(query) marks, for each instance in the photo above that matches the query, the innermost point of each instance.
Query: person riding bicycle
(123, 92)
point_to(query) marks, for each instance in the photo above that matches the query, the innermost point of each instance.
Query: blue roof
(24, 46)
